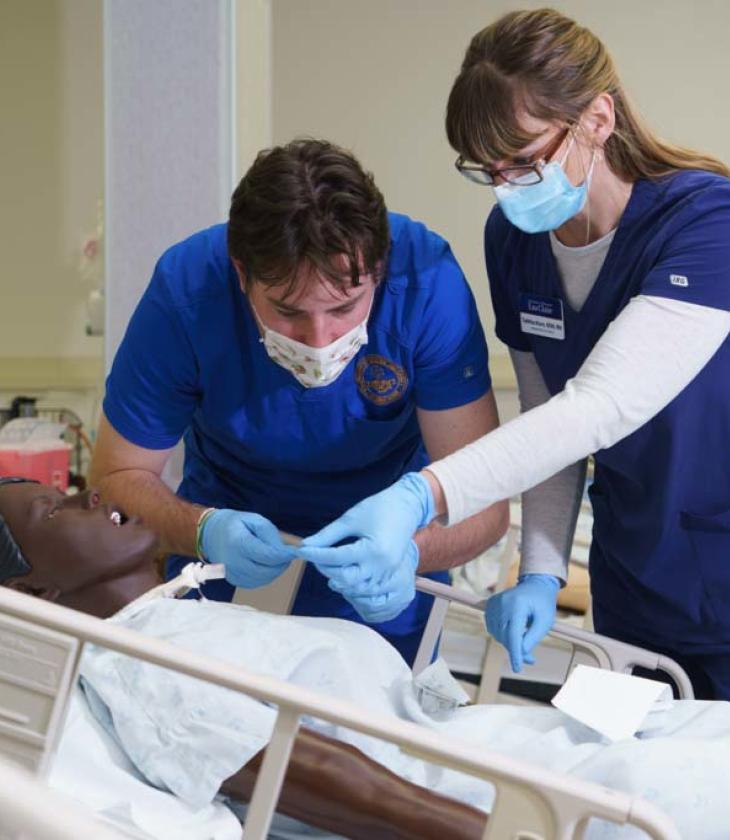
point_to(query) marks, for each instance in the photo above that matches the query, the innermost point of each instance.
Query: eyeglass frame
(465, 168)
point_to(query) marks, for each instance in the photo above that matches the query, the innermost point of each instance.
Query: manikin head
(72, 549)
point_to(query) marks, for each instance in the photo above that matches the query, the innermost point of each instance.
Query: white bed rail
(587, 646)
(531, 803)
(37, 675)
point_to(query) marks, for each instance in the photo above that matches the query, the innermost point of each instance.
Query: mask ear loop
(259, 323)
(588, 177)
(567, 151)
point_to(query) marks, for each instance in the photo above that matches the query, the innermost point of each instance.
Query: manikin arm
(335, 787)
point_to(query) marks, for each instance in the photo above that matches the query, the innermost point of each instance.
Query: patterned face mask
(313, 367)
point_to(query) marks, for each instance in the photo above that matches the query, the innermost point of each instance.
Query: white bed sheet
(91, 768)
(681, 760)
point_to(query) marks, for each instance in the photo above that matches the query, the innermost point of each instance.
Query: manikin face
(316, 313)
(72, 542)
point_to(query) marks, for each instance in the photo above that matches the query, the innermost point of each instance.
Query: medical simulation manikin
(91, 557)
(310, 352)
(193, 738)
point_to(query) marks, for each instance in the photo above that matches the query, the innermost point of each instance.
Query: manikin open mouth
(118, 517)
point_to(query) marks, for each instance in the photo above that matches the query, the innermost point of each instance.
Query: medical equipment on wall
(91, 271)
(31, 447)
(61, 428)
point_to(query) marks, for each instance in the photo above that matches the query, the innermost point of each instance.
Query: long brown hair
(308, 203)
(547, 65)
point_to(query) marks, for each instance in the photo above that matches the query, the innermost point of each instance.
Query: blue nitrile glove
(388, 598)
(519, 617)
(248, 545)
(382, 527)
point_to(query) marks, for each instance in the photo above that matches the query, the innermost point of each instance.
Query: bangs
(295, 277)
(482, 115)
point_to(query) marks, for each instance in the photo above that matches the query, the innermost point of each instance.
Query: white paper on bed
(613, 704)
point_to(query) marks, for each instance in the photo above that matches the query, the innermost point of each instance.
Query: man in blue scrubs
(310, 352)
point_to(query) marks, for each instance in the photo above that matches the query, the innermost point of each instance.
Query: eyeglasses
(523, 174)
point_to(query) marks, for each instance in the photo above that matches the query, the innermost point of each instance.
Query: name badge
(542, 316)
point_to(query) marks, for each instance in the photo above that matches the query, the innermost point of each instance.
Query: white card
(615, 705)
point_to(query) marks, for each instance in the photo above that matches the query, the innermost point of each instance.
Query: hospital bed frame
(530, 803)
(586, 646)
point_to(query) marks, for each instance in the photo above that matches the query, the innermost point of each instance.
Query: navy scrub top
(191, 364)
(660, 556)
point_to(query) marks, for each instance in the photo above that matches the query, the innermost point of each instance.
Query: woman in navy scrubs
(608, 256)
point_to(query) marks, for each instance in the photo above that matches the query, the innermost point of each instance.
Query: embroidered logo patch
(678, 280)
(380, 380)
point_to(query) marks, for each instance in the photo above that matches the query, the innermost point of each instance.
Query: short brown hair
(307, 202)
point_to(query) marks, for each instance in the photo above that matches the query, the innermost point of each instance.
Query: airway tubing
(200, 572)
(193, 575)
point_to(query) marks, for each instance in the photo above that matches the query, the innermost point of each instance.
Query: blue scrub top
(191, 364)
(660, 556)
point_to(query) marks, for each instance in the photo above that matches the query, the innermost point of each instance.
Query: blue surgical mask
(548, 204)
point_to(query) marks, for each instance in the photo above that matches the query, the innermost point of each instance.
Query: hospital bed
(42, 643)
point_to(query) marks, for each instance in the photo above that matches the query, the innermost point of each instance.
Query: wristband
(202, 519)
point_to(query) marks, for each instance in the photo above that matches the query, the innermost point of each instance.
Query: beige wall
(51, 171)
(252, 81)
(374, 75)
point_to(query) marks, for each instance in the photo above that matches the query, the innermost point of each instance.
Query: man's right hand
(248, 545)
